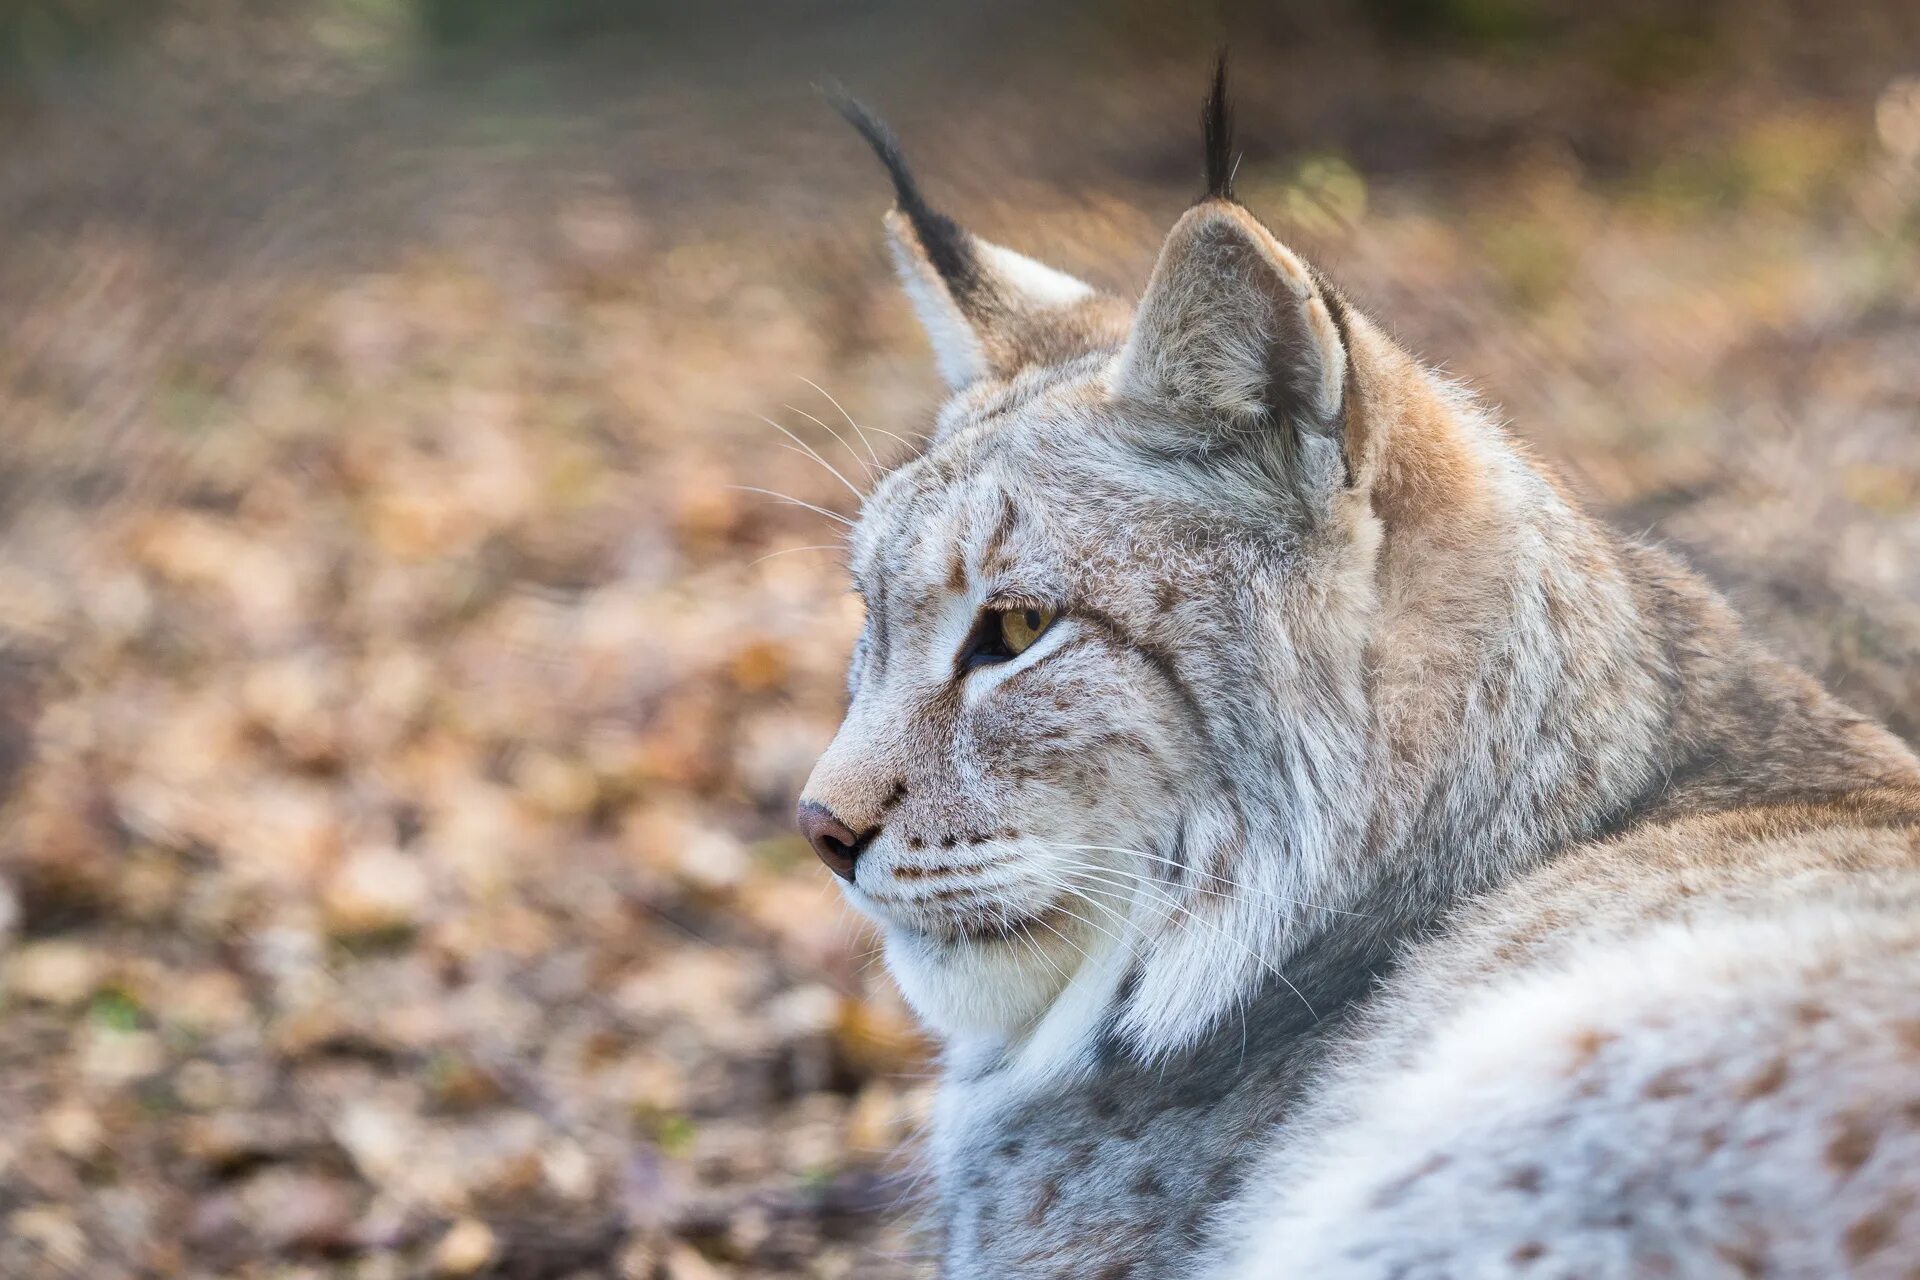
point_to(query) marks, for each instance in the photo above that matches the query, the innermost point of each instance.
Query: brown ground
(400, 710)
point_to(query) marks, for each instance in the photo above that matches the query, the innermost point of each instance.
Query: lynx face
(1028, 775)
(1115, 618)
(1010, 737)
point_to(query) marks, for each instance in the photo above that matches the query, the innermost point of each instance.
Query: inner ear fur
(990, 312)
(1233, 326)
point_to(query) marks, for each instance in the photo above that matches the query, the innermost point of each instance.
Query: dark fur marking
(1851, 1147)
(1049, 1192)
(1349, 390)
(922, 873)
(947, 247)
(1870, 1234)
(1767, 1080)
(1671, 1083)
(1527, 1179)
(1159, 660)
(990, 557)
(1216, 132)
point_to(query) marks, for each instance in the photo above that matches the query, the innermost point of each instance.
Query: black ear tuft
(1216, 127)
(947, 247)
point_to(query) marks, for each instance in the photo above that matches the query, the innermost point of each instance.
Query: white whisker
(787, 551)
(838, 438)
(1034, 945)
(1226, 880)
(1077, 948)
(1187, 913)
(849, 417)
(809, 451)
(789, 498)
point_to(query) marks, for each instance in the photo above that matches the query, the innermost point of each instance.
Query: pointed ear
(1234, 329)
(988, 311)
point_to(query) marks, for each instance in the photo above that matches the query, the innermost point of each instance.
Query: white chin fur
(992, 988)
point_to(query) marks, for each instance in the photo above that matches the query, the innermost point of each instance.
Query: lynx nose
(831, 838)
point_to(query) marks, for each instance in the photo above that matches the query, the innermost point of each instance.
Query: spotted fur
(1380, 868)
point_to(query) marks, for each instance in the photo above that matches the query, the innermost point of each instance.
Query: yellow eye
(1019, 628)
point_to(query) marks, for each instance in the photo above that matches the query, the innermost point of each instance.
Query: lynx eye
(1004, 634)
(1019, 628)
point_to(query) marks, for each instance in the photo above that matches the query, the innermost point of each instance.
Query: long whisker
(1114, 879)
(1033, 944)
(1077, 948)
(1255, 956)
(908, 440)
(849, 417)
(1079, 895)
(787, 551)
(838, 438)
(1226, 880)
(1148, 882)
(811, 452)
(789, 498)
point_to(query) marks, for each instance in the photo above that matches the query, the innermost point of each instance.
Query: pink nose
(831, 838)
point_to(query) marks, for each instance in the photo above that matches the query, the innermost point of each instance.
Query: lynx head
(1115, 713)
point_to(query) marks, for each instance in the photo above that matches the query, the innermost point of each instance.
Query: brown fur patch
(1763, 1082)
(1043, 1203)
(1868, 1235)
(1671, 1083)
(1587, 1046)
(1852, 1146)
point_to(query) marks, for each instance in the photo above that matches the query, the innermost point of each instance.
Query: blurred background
(403, 694)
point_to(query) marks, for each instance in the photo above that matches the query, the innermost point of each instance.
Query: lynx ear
(1234, 327)
(988, 311)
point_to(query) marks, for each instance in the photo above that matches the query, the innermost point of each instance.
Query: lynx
(1322, 848)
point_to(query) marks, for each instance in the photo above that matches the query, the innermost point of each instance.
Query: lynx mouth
(1002, 928)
